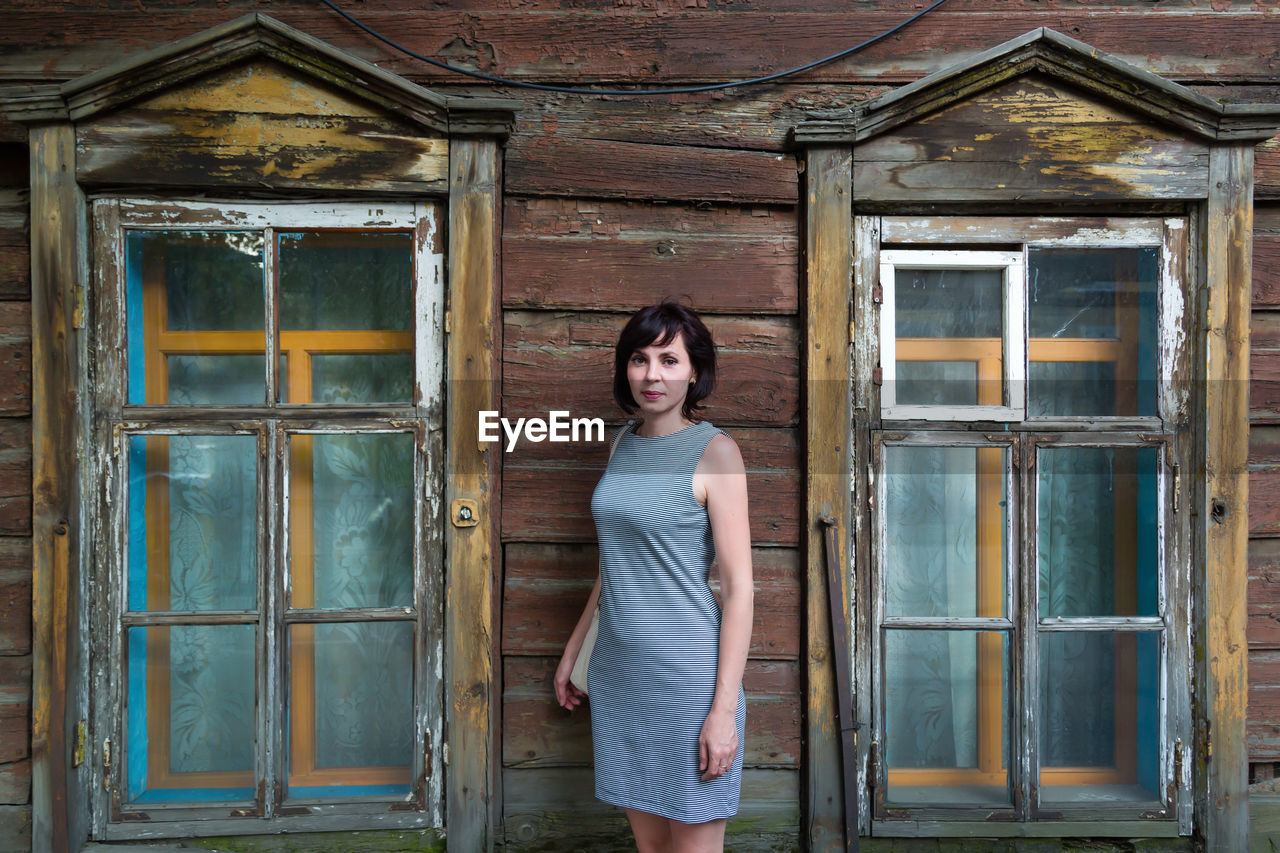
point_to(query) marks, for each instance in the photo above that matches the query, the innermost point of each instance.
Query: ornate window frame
(445, 150)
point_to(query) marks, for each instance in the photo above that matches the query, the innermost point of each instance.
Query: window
(272, 576)
(1029, 593)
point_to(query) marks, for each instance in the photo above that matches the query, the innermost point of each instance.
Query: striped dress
(652, 674)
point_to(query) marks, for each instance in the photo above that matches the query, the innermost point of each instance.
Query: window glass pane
(351, 709)
(937, 383)
(945, 511)
(1099, 717)
(947, 717)
(346, 316)
(193, 522)
(1097, 531)
(190, 713)
(1070, 388)
(351, 520)
(951, 315)
(1090, 306)
(362, 378)
(191, 293)
(214, 380)
(346, 280)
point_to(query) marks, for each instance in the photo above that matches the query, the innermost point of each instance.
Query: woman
(665, 677)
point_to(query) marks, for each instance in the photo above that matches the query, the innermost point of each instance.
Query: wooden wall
(15, 493)
(610, 204)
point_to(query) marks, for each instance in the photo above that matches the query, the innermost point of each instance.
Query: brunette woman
(665, 675)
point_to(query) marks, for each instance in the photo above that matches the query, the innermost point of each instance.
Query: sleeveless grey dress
(652, 674)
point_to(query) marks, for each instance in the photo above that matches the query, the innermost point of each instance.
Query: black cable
(678, 90)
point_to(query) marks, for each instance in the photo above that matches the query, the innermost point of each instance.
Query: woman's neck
(663, 425)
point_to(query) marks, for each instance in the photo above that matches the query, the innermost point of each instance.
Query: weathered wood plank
(599, 169)
(1264, 600)
(757, 372)
(15, 478)
(15, 358)
(549, 500)
(1264, 704)
(1228, 247)
(828, 484)
(57, 245)
(641, 43)
(1029, 139)
(15, 783)
(546, 587)
(15, 246)
(1266, 255)
(755, 118)
(474, 211)
(539, 733)
(259, 124)
(555, 809)
(652, 8)
(15, 593)
(1267, 164)
(570, 253)
(1264, 503)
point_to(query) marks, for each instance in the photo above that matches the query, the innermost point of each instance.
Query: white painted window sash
(1014, 330)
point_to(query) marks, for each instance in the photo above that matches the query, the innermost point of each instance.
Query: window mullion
(271, 716)
(1028, 616)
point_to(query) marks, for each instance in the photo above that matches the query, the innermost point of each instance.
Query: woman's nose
(652, 373)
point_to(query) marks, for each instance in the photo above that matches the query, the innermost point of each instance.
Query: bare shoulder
(722, 456)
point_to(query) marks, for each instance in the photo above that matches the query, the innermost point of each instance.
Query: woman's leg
(698, 837)
(652, 832)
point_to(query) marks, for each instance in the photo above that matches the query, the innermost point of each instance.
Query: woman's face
(660, 376)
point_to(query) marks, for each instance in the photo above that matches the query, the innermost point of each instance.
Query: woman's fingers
(715, 761)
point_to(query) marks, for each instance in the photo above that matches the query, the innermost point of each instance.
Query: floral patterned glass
(945, 512)
(193, 522)
(1099, 717)
(351, 512)
(1097, 538)
(947, 707)
(189, 709)
(350, 709)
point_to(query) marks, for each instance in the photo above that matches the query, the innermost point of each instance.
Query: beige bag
(578, 678)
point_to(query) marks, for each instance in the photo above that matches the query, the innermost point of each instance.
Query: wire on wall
(676, 90)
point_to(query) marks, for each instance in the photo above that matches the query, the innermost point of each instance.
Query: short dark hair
(660, 324)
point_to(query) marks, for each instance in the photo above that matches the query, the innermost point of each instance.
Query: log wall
(15, 494)
(612, 203)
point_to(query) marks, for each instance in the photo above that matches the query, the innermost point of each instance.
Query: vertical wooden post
(1224, 510)
(57, 212)
(474, 209)
(829, 267)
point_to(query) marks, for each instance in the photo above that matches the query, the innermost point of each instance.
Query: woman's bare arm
(567, 695)
(721, 479)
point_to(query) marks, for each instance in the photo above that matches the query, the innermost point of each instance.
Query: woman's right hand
(568, 696)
